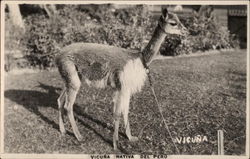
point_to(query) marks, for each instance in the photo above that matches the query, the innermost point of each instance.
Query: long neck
(154, 45)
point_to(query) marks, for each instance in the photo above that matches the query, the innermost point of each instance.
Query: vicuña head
(170, 23)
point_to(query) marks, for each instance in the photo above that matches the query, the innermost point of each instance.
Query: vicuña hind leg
(61, 101)
(73, 84)
(71, 96)
(115, 100)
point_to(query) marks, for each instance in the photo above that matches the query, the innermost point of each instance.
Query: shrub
(126, 28)
(123, 28)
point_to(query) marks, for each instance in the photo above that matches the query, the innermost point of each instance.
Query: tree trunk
(49, 8)
(15, 15)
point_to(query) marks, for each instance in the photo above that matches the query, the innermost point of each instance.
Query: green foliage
(126, 28)
(122, 28)
(40, 40)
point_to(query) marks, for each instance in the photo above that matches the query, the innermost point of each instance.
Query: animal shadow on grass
(32, 100)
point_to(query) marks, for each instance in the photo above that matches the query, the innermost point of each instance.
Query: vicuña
(125, 71)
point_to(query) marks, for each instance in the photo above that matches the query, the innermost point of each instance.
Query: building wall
(221, 16)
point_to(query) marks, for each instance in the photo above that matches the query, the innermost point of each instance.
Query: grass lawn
(198, 95)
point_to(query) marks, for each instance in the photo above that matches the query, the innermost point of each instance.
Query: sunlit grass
(199, 95)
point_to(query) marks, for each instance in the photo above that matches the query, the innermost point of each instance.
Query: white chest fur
(133, 76)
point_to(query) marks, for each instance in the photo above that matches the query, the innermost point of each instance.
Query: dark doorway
(238, 26)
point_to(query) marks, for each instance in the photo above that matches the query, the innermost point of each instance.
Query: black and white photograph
(124, 79)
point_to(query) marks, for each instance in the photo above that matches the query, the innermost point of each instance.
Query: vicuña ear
(164, 12)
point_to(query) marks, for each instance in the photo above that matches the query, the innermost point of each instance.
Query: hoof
(115, 145)
(63, 132)
(133, 139)
(79, 138)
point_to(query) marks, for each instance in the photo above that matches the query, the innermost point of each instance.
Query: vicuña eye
(173, 24)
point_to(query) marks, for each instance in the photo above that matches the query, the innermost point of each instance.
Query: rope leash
(160, 110)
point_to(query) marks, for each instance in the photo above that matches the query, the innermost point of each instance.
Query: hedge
(126, 28)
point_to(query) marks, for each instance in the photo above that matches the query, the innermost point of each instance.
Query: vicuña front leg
(122, 107)
(117, 116)
(128, 132)
(125, 112)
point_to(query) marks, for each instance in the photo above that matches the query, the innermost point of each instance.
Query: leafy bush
(39, 41)
(126, 28)
(122, 28)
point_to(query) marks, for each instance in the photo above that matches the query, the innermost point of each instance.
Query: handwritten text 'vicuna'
(188, 140)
